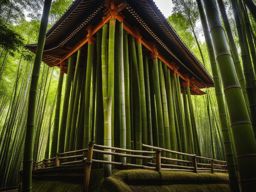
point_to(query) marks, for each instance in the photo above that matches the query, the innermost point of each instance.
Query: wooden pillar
(88, 167)
(212, 166)
(158, 160)
(57, 160)
(195, 163)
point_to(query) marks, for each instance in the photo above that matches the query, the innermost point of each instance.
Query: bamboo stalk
(29, 141)
(57, 116)
(63, 123)
(244, 140)
(159, 111)
(88, 76)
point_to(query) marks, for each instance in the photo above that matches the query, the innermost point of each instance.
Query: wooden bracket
(114, 9)
(139, 38)
(89, 36)
(154, 52)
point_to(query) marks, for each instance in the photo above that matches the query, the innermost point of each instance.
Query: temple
(126, 52)
(141, 19)
(127, 103)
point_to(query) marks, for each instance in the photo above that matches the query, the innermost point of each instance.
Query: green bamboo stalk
(108, 62)
(159, 110)
(189, 132)
(252, 7)
(193, 123)
(71, 107)
(176, 108)
(210, 125)
(40, 108)
(149, 102)
(247, 62)
(80, 124)
(180, 117)
(111, 74)
(137, 110)
(77, 87)
(91, 130)
(226, 130)
(104, 69)
(29, 141)
(122, 94)
(88, 76)
(133, 91)
(127, 91)
(156, 128)
(50, 131)
(232, 44)
(57, 117)
(41, 111)
(142, 94)
(63, 124)
(99, 118)
(247, 26)
(164, 107)
(240, 119)
(173, 134)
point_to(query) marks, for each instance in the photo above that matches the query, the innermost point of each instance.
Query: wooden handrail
(167, 150)
(154, 158)
(175, 160)
(125, 150)
(123, 154)
(75, 151)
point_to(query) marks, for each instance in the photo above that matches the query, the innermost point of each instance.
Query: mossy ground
(165, 181)
(141, 181)
(58, 186)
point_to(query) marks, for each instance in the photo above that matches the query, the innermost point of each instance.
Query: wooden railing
(151, 157)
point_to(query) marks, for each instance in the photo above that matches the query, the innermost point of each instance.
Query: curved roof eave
(153, 15)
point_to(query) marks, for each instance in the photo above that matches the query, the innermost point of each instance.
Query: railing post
(212, 166)
(44, 163)
(57, 160)
(158, 160)
(195, 163)
(88, 167)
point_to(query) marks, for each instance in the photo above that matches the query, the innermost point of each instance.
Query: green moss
(141, 180)
(51, 186)
(147, 180)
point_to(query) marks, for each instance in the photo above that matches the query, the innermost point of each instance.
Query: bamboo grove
(239, 91)
(117, 98)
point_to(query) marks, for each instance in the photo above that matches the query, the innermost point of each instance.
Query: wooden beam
(86, 39)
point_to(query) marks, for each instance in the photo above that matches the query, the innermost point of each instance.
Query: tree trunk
(55, 136)
(232, 44)
(226, 132)
(29, 139)
(252, 7)
(247, 62)
(240, 119)
(63, 123)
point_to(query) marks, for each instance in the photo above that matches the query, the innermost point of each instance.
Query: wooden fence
(151, 157)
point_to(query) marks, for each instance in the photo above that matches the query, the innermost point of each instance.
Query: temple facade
(129, 77)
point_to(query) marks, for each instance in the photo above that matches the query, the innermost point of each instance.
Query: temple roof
(142, 15)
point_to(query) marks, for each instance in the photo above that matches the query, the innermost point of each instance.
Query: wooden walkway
(151, 157)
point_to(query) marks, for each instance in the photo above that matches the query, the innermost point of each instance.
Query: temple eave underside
(58, 50)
